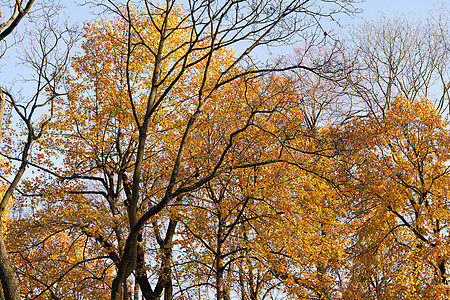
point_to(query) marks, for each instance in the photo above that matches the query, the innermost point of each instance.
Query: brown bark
(6, 28)
(7, 274)
(164, 283)
(221, 290)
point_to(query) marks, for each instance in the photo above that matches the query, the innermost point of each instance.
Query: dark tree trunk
(7, 274)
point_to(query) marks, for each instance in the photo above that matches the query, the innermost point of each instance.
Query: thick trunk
(126, 266)
(116, 293)
(141, 276)
(219, 277)
(7, 274)
(168, 288)
(221, 288)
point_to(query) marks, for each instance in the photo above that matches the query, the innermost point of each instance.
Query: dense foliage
(170, 166)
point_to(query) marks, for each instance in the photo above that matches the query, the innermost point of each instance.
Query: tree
(161, 78)
(395, 60)
(257, 231)
(399, 205)
(280, 237)
(48, 63)
(55, 260)
(19, 9)
(401, 56)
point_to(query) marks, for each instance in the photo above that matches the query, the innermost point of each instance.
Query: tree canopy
(158, 157)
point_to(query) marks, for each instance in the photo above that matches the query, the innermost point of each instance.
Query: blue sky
(371, 9)
(390, 8)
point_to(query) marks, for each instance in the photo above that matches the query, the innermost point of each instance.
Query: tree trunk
(10, 289)
(442, 272)
(168, 288)
(7, 274)
(220, 285)
(219, 277)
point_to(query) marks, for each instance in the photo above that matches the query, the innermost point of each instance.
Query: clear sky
(371, 9)
(390, 8)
